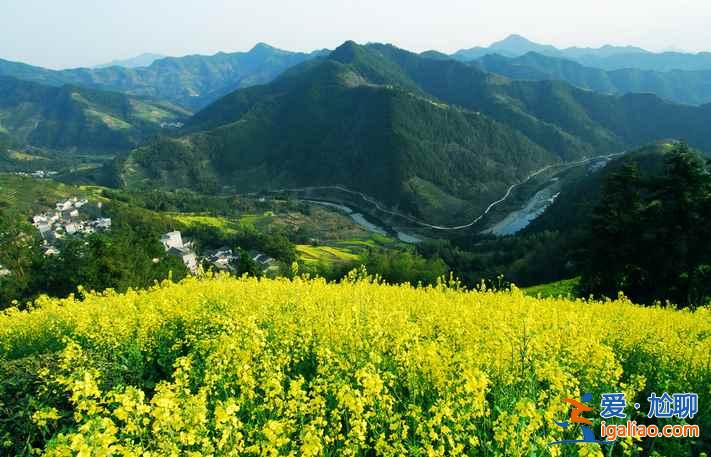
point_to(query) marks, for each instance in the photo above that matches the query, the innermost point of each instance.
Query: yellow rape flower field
(225, 367)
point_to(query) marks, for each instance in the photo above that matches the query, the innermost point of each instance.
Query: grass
(23, 156)
(111, 122)
(563, 288)
(153, 113)
(224, 225)
(325, 254)
(325, 224)
(340, 240)
(22, 195)
(255, 219)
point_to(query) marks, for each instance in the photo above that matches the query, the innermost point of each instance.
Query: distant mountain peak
(514, 38)
(348, 44)
(519, 45)
(261, 46)
(142, 60)
(346, 52)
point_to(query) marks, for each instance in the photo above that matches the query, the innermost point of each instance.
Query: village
(222, 259)
(77, 217)
(38, 174)
(70, 217)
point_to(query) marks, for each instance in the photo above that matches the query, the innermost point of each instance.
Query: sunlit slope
(72, 118)
(326, 124)
(434, 139)
(249, 367)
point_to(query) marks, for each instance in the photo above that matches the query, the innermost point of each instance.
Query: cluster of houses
(223, 259)
(67, 219)
(39, 174)
(171, 125)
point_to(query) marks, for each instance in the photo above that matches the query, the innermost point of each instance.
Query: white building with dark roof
(172, 240)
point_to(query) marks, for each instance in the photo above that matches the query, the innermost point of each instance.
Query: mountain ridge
(681, 86)
(192, 81)
(435, 138)
(607, 57)
(75, 118)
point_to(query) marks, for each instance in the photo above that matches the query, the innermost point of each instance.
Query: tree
(613, 263)
(19, 247)
(246, 265)
(651, 237)
(397, 266)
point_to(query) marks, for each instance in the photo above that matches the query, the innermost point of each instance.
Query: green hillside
(191, 81)
(329, 124)
(580, 193)
(77, 119)
(565, 120)
(434, 138)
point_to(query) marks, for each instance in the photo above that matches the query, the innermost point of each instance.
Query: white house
(190, 261)
(44, 230)
(187, 256)
(4, 272)
(263, 259)
(64, 206)
(172, 240)
(103, 223)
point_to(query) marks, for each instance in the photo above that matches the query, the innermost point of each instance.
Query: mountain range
(192, 82)
(606, 57)
(682, 86)
(435, 138)
(427, 134)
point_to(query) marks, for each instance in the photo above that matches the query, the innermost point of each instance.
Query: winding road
(493, 204)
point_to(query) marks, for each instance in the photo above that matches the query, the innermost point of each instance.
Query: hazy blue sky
(68, 33)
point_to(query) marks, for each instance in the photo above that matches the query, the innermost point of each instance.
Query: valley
(426, 245)
(419, 154)
(412, 151)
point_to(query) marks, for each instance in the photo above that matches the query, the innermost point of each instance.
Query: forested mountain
(606, 57)
(330, 125)
(665, 61)
(77, 119)
(190, 81)
(690, 87)
(640, 224)
(436, 138)
(573, 209)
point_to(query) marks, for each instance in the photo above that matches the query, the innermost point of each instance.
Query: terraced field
(329, 254)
